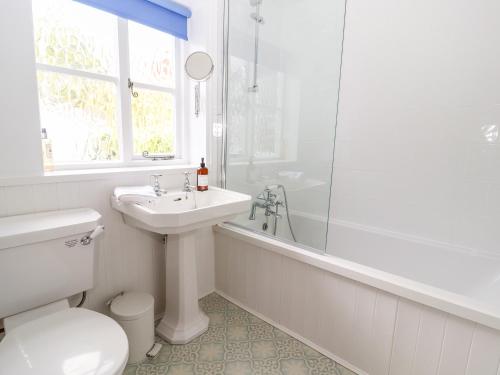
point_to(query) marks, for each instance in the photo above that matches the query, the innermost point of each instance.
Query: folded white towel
(134, 194)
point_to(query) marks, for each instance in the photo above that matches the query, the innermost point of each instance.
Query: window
(85, 61)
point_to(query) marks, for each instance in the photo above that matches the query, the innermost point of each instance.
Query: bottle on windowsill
(48, 158)
(202, 174)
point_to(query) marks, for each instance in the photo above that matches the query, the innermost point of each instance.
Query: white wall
(20, 145)
(418, 150)
(359, 326)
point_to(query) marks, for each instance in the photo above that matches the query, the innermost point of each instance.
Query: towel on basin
(134, 194)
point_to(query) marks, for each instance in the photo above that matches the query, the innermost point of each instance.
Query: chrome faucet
(156, 185)
(267, 200)
(188, 188)
(272, 202)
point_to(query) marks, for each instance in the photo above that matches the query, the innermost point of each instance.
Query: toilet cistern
(45, 258)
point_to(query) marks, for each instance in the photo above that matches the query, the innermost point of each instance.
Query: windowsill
(93, 174)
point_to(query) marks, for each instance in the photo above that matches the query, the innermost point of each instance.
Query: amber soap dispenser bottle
(202, 173)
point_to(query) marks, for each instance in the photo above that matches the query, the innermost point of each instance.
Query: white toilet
(44, 259)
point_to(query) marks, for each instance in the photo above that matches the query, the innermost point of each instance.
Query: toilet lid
(69, 342)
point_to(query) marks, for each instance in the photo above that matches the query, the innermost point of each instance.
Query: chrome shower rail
(259, 20)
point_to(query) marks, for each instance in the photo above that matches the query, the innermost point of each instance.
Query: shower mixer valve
(268, 201)
(271, 203)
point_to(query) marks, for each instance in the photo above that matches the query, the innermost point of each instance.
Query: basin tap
(188, 188)
(156, 185)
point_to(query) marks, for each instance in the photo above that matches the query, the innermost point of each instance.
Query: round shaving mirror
(199, 66)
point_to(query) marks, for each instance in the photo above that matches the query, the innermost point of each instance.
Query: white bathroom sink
(178, 211)
(181, 215)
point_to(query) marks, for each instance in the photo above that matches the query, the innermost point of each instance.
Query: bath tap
(271, 203)
(254, 209)
(269, 200)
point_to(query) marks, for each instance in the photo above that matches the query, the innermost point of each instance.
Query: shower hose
(271, 187)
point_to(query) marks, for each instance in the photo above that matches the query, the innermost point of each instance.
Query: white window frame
(124, 107)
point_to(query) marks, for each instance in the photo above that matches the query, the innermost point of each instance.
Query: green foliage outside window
(81, 114)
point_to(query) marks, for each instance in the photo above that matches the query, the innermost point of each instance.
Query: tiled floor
(238, 343)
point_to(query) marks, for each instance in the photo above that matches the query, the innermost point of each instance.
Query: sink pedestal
(183, 319)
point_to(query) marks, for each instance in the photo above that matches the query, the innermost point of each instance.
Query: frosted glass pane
(72, 35)
(80, 117)
(153, 122)
(152, 57)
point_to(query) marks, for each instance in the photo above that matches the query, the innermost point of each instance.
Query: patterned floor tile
(238, 343)
(294, 367)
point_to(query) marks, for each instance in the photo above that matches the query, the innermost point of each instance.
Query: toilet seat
(72, 341)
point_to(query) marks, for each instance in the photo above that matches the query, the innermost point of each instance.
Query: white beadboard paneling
(364, 311)
(19, 199)
(456, 346)
(313, 303)
(128, 259)
(326, 308)
(221, 258)
(429, 341)
(252, 273)
(293, 295)
(382, 334)
(343, 311)
(484, 355)
(405, 338)
(362, 327)
(68, 194)
(232, 276)
(270, 284)
(237, 273)
(46, 197)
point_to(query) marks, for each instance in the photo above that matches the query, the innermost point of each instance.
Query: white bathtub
(456, 280)
(379, 310)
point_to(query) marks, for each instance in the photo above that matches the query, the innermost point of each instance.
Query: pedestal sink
(180, 215)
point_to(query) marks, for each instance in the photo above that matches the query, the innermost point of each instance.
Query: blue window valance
(164, 15)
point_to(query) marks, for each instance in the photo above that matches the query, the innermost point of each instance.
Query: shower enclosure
(282, 73)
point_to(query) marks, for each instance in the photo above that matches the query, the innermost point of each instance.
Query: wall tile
(417, 135)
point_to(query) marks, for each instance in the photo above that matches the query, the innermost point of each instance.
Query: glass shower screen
(283, 60)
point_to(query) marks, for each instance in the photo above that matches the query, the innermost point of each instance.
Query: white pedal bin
(135, 313)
